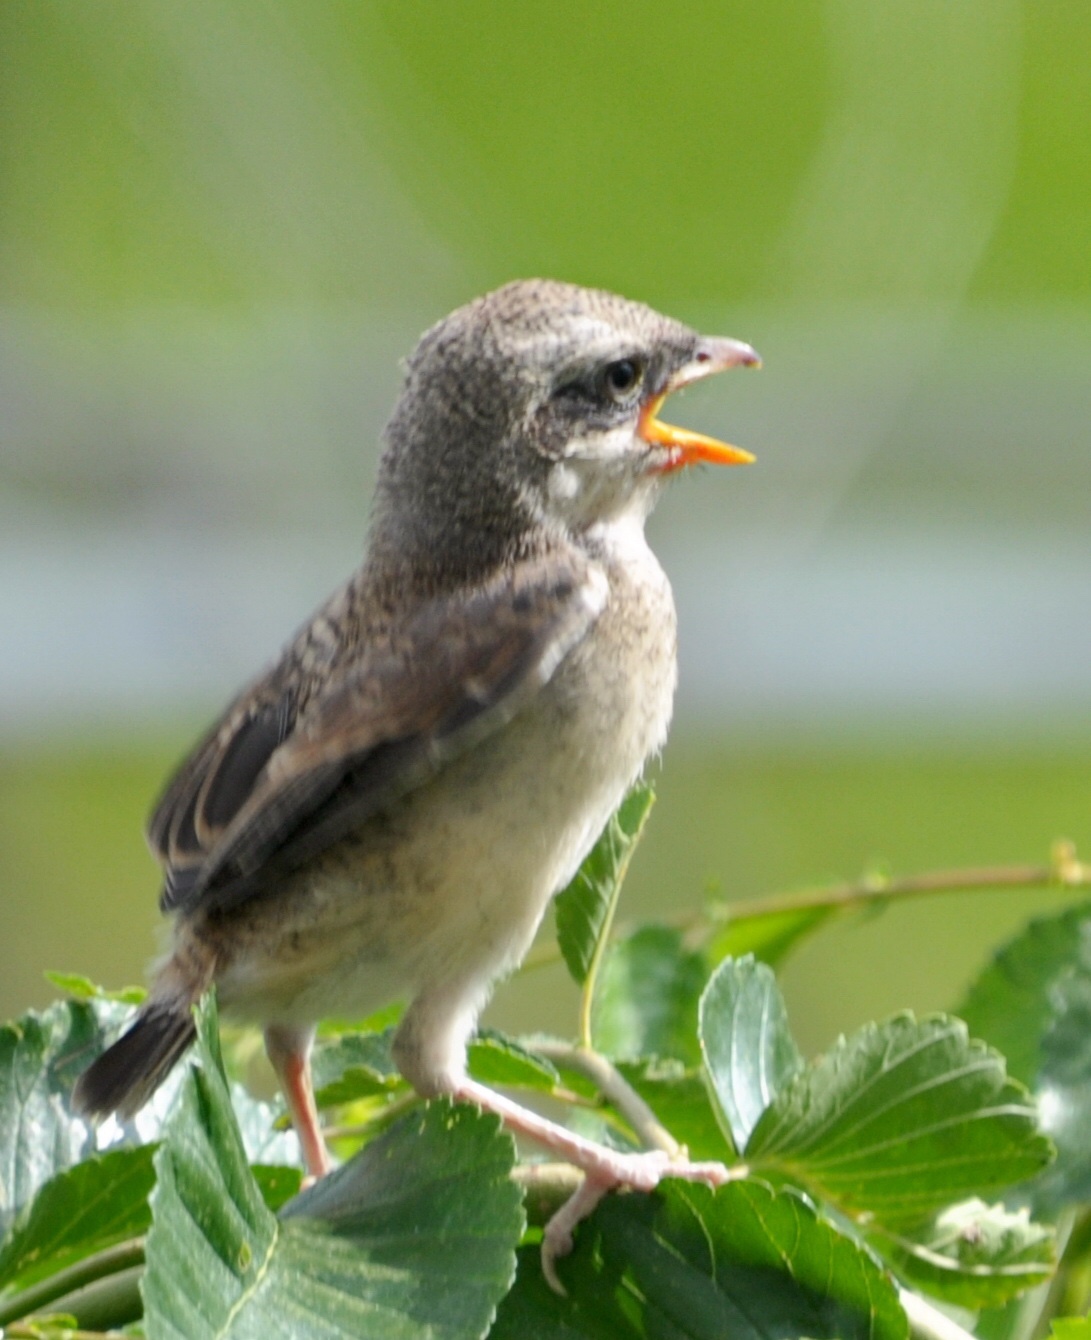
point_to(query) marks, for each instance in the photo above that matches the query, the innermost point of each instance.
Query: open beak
(685, 447)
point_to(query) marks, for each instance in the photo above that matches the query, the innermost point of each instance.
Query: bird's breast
(449, 885)
(619, 683)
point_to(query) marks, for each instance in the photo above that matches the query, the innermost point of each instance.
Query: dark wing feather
(275, 785)
(212, 784)
(216, 779)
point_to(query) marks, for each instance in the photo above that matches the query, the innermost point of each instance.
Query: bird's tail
(126, 1075)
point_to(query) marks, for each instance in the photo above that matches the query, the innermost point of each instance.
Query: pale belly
(442, 895)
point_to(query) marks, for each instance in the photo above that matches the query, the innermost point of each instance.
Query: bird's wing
(273, 785)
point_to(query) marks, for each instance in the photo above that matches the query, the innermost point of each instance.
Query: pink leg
(604, 1169)
(289, 1051)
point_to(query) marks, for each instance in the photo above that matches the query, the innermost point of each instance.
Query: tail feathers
(126, 1075)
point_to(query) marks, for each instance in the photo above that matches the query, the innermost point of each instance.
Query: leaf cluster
(908, 1162)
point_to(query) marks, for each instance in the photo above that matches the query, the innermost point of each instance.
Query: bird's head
(538, 405)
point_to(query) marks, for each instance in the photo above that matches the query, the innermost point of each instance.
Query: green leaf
(354, 1066)
(83, 988)
(493, 1058)
(749, 1052)
(378, 1021)
(412, 1238)
(900, 1120)
(689, 1263)
(582, 909)
(1010, 1005)
(533, 1311)
(973, 1255)
(94, 1205)
(262, 1140)
(648, 995)
(276, 1183)
(1034, 1003)
(1063, 1090)
(768, 936)
(41, 1056)
(679, 1097)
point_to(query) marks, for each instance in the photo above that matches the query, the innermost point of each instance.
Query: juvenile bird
(387, 810)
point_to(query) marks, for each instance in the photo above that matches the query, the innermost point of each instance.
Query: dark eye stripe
(612, 383)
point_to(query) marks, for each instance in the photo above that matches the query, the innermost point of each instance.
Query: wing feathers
(232, 779)
(274, 786)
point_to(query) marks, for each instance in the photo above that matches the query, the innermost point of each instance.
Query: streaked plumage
(388, 809)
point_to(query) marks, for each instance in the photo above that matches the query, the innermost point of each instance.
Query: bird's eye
(620, 379)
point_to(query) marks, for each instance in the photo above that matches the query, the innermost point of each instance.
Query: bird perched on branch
(387, 810)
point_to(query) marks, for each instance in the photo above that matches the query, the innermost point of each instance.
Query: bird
(387, 810)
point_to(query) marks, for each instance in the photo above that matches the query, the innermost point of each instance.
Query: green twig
(91, 1270)
(927, 1322)
(1064, 871)
(616, 1089)
(30, 1330)
(106, 1303)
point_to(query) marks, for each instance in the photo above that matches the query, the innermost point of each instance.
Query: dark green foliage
(1034, 1002)
(743, 1261)
(646, 1004)
(413, 1237)
(40, 1057)
(881, 1165)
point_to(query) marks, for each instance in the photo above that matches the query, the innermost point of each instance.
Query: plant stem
(90, 1270)
(20, 1330)
(1064, 871)
(927, 1322)
(1053, 1298)
(374, 1125)
(614, 1087)
(106, 1303)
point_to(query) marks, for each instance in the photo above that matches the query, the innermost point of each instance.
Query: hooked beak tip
(685, 447)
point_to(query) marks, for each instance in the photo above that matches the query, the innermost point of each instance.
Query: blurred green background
(222, 223)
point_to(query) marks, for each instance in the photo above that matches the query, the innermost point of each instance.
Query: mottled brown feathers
(388, 809)
(274, 786)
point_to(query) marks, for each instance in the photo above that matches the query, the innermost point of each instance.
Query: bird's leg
(604, 1169)
(289, 1051)
(430, 1051)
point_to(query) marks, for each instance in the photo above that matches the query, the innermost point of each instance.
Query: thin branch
(617, 1090)
(30, 1330)
(927, 1322)
(100, 1265)
(1064, 871)
(106, 1303)
(379, 1121)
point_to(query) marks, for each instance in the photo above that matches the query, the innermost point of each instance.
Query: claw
(634, 1172)
(604, 1169)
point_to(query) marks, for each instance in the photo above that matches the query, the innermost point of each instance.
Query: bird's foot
(604, 1169)
(616, 1171)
